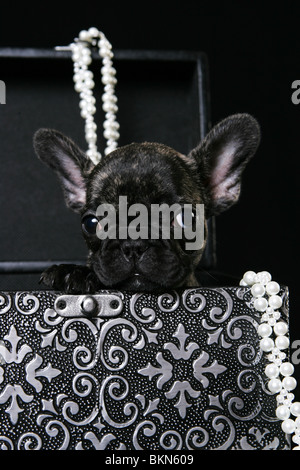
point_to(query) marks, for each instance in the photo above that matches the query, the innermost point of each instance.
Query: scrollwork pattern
(116, 357)
(6, 443)
(190, 298)
(196, 438)
(118, 389)
(29, 441)
(171, 440)
(168, 302)
(57, 430)
(179, 370)
(143, 314)
(219, 424)
(147, 429)
(26, 304)
(5, 303)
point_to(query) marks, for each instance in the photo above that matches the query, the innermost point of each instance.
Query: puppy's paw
(71, 278)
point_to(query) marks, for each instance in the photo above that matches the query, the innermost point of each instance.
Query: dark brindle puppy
(147, 173)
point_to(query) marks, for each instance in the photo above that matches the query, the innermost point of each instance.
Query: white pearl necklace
(84, 84)
(274, 341)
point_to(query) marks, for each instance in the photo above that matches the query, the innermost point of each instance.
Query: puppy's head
(150, 175)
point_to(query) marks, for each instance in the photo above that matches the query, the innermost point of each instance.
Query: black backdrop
(254, 56)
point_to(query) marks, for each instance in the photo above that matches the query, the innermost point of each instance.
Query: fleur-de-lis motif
(182, 388)
(32, 372)
(99, 444)
(16, 354)
(183, 351)
(200, 369)
(165, 371)
(14, 391)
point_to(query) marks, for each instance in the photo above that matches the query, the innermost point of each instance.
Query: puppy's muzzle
(133, 250)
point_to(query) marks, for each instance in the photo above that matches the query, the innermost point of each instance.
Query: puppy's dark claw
(70, 278)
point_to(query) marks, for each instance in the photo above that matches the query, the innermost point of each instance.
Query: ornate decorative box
(121, 371)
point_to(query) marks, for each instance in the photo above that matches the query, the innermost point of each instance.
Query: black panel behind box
(162, 97)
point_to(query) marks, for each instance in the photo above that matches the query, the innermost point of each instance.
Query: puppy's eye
(185, 219)
(89, 224)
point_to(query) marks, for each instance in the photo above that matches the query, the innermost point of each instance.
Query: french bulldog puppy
(148, 174)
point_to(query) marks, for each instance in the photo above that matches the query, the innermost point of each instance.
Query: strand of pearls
(84, 84)
(274, 340)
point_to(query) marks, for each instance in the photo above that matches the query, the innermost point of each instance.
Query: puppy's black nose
(134, 249)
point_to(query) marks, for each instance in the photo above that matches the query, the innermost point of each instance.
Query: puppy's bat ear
(222, 157)
(70, 164)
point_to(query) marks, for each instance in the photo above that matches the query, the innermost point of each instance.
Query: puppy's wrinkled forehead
(147, 173)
